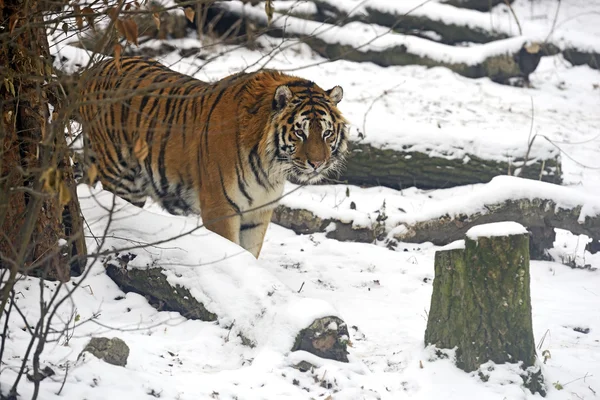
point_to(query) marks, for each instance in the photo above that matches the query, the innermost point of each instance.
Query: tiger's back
(222, 150)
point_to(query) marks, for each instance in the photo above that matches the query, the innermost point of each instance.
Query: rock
(326, 337)
(113, 351)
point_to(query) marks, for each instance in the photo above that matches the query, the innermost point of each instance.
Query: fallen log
(500, 60)
(541, 214)
(519, 63)
(372, 166)
(325, 337)
(580, 57)
(306, 222)
(206, 277)
(415, 21)
(479, 5)
(538, 206)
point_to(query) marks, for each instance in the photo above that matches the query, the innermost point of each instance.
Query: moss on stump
(481, 304)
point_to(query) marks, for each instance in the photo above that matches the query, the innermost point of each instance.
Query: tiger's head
(310, 133)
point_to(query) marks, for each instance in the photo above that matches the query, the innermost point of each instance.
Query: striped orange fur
(223, 150)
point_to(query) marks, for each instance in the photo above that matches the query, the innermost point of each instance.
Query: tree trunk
(38, 205)
(481, 303)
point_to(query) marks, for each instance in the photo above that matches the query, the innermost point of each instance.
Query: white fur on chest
(262, 198)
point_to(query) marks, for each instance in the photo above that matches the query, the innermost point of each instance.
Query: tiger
(222, 150)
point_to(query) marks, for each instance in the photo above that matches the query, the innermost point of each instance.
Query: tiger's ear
(283, 94)
(335, 94)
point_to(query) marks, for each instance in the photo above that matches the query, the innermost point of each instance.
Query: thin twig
(553, 22)
(64, 380)
(515, 17)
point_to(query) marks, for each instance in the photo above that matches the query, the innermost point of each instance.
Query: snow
(370, 37)
(495, 229)
(383, 296)
(224, 278)
(575, 24)
(361, 206)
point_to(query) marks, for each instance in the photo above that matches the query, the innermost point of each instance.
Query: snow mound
(506, 228)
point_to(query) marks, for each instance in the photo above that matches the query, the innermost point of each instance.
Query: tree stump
(481, 301)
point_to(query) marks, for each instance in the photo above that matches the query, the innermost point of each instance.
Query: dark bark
(479, 5)
(372, 166)
(152, 284)
(32, 220)
(305, 222)
(481, 304)
(579, 57)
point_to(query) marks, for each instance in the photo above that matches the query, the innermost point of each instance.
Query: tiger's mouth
(310, 175)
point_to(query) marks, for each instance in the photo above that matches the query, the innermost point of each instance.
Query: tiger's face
(310, 137)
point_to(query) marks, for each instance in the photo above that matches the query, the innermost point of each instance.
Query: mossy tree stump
(481, 300)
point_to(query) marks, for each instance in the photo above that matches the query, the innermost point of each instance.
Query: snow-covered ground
(382, 295)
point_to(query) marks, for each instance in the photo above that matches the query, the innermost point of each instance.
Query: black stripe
(300, 83)
(143, 104)
(229, 200)
(242, 186)
(278, 133)
(212, 108)
(256, 166)
(162, 170)
(245, 227)
(149, 139)
(182, 109)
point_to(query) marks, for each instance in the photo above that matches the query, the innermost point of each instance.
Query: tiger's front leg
(222, 221)
(253, 229)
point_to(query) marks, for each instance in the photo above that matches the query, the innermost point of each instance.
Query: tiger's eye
(300, 134)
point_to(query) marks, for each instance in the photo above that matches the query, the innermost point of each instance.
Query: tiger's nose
(315, 164)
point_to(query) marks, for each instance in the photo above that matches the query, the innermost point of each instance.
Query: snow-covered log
(481, 302)
(439, 22)
(373, 166)
(539, 206)
(362, 42)
(182, 267)
(538, 214)
(304, 221)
